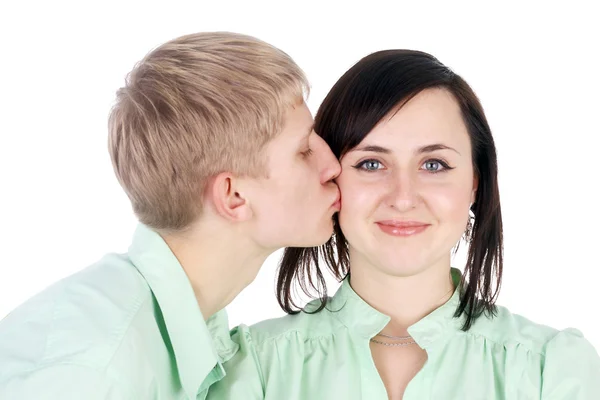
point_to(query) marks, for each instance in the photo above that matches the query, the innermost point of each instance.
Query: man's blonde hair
(196, 106)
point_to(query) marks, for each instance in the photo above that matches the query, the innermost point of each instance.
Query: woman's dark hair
(377, 85)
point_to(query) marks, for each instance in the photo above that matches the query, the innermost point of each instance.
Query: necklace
(405, 340)
(393, 344)
(394, 337)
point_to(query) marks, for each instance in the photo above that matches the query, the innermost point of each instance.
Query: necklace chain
(393, 344)
(394, 337)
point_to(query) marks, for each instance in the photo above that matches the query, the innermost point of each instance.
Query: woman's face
(407, 187)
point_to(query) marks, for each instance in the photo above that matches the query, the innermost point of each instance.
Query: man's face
(294, 204)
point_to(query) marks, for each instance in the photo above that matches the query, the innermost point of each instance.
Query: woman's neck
(405, 299)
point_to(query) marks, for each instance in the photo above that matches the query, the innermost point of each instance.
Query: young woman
(419, 175)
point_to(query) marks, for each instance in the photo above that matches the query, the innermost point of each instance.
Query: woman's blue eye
(369, 165)
(431, 166)
(435, 166)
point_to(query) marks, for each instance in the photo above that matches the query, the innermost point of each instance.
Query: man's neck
(218, 262)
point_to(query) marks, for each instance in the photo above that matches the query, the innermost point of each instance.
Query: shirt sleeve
(65, 382)
(571, 368)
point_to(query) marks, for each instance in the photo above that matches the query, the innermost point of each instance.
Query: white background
(535, 68)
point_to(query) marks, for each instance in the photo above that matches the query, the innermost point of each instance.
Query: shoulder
(571, 367)
(569, 348)
(511, 330)
(306, 325)
(568, 363)
(80, 319)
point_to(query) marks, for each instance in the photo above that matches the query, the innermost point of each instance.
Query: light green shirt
(128, 327)
(327, 356)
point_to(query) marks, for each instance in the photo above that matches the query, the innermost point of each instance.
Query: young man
(212, 141)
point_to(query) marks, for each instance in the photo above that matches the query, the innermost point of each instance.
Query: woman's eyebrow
(375, 149)
(433, 147)
(425, 149)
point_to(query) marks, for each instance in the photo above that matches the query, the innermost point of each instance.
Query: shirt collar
(195, 352)
(366, 322)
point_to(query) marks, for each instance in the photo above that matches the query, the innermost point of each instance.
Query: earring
(469, 229)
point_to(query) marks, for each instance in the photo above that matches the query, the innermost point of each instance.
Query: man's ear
(225, 193)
